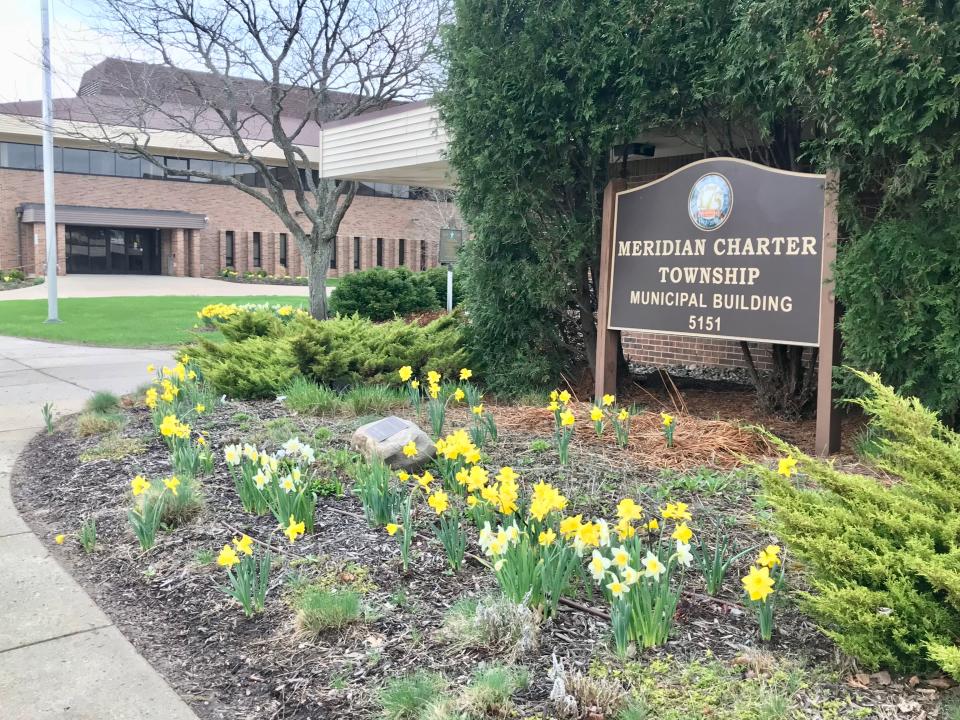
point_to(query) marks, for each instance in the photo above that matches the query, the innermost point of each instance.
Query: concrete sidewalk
(60, 656)
(78, 286)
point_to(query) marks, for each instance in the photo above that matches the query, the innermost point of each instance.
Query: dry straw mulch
(696, 442)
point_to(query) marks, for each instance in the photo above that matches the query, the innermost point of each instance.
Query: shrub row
(382, 294)
(883, 558)
(262, 353)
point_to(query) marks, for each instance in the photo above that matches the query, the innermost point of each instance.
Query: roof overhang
(114, 217)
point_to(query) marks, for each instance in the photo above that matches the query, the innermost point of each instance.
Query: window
(20, 156)
(76, 161)
(333, 255)
(401, 252)
(379, 252)
(283, 250)
(423, 254)
(149, 170)
(200, 166)
(176, 164)
(356, 253)
(102, 162)
(128, 165)
(256, 249)
(228, 242)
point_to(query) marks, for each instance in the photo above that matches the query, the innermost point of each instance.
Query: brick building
(119, 213)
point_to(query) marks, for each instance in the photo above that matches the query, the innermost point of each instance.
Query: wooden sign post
(722, 248)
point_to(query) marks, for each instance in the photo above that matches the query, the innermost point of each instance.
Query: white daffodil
(291, 446)
(604, 532)
(231, 454)
(684, 556)
(652, 567)
(621, 557)
(598, 566)
(630, 576)
(287, 484)
(486, 537)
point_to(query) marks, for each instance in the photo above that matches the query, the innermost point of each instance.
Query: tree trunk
(317, 260)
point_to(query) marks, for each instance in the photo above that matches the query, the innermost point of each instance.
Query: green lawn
(119, 321)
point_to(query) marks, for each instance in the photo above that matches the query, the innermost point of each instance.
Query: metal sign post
(722, 248)
(451, 240)
(50, 222)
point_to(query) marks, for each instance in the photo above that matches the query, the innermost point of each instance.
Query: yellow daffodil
(410, 449)
(466, 373)
(151, 368)
(244, 544)
(294, 529)
(617, 588)
(608, 400)
(439, 501)
(139, 485)
(666, 419)
(570, 525)
(769, 556)
(623, 415)
(415, 384)
(227, 557)
(554, 395)
(625, 529)
(406, 372)
(201, 440)
(172, 483)
(477, 409)
(200, 408)
(285, 311)
(758, 583)
(596, 414)
(459, 394)
(682, 533)
(403, 476)
(654, 524)
(58, 539)
(392, 528)
(627, 509)
(787, 467)
(547, 537)
(507, 474)
(564, 397)
(191, 375)
(567, 418)
(553, 406)
(433, 377)
(676, 511)
(472, 500)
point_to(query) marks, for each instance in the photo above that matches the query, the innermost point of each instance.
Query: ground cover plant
(494, 582)
(14, 279)
(116, 321)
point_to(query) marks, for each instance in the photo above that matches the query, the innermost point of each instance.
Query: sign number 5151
(704, 322)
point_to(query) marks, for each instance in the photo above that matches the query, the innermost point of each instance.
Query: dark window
(176, 164)
(149, 170)
(379, 252)
(423, 254)
(256, 249)
(76, 161)
(401, 252)
(228, 250)
(356, 253)
(128, 166)
(283, 249)
(333, 255)
(200, 166)
(20, 156)
(247, 175)
(102, 162)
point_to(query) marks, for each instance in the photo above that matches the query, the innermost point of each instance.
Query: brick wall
(201, 252)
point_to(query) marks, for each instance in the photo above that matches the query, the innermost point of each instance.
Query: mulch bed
(228, 667)
(263, 281)
(17, 284)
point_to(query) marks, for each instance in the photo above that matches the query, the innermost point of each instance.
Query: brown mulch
(227, 667)
(697, 442)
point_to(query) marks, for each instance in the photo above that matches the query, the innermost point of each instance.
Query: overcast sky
(75, 45)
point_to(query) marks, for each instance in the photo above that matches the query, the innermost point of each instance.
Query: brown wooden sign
(721, 248)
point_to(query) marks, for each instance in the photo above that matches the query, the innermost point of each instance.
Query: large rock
(386, 439)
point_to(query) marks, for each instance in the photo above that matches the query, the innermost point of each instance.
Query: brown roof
(109, 93)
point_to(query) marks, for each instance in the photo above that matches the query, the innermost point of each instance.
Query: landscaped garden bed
(15, 279)
(261, 277)
(506, 578)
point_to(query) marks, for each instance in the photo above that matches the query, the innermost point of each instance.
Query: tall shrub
(883, 558)
(382, 294)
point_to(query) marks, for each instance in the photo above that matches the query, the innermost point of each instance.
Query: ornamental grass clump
(321, 609)
(380, 498)
(147, 512)
(880, 556)
(248, 574)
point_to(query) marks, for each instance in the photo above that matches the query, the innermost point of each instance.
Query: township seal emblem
(710, 201)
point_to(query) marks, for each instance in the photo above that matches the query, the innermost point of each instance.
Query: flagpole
(49, 203)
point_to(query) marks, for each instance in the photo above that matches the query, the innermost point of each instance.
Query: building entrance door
(112, 250)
